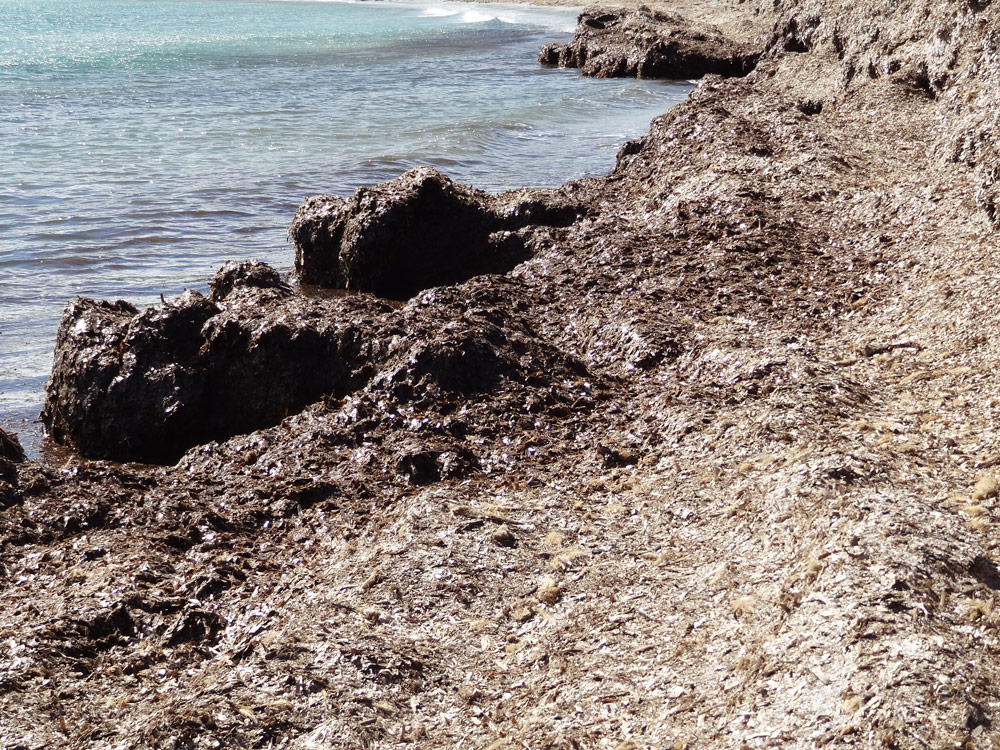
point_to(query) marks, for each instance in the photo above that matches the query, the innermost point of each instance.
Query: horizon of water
(145, 142)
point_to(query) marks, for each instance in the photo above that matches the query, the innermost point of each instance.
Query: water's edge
(104, 232)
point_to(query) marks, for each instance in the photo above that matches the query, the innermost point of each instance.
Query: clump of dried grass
(548, 591)
(569, 557)
(743, 605)
(985, 488)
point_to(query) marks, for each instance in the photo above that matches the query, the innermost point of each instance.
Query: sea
(145, 142)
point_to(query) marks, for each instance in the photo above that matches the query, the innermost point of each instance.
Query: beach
(700, 453)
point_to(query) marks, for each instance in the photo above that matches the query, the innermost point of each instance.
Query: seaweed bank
(706, 459)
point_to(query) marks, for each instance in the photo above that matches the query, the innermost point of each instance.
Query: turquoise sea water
(143, 142)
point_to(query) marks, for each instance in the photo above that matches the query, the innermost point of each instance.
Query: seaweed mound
(248, 273)
(10, 447)
(644, 43)
(11, 454)
(146, 386)
(418, 231)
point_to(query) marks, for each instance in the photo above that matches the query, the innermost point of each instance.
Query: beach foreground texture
(711, 465)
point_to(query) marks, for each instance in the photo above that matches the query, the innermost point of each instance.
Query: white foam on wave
(440, 12)
(554, 18)
(561, 19)
(478, 16)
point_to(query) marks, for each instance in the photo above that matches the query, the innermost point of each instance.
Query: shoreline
(711, 462)
(24, 393)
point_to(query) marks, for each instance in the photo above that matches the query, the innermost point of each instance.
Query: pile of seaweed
(698, 454)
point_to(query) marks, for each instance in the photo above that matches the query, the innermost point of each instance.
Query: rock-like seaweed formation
(945, 51)
(644, 43)
(11, 454)
(146, 386)
(418, 231)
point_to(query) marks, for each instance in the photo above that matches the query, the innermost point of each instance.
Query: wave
(478, 16)
(439, 12)
(473, 13)
(466, 14)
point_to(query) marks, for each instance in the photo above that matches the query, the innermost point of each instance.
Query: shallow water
(143, 142)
